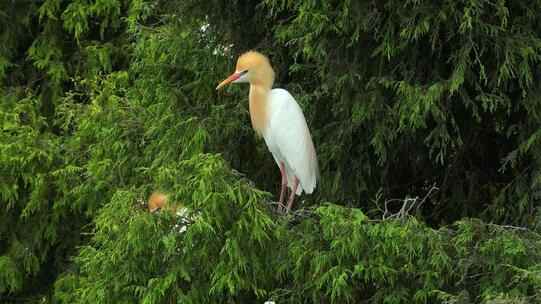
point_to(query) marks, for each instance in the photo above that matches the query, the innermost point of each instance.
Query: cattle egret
(158, 201)
(278, 118)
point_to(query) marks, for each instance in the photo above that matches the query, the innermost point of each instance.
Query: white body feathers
(288, 139)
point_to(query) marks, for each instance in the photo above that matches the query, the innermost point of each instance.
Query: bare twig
(299, 213)
(407, 205)
(516, 228)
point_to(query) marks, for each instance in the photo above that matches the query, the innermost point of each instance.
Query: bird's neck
(258, 100)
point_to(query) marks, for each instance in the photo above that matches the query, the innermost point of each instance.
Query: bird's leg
(284, 187)
(293, 193)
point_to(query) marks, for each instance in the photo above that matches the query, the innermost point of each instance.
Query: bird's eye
(245, 71)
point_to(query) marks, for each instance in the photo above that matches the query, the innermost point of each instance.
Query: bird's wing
(291, 135)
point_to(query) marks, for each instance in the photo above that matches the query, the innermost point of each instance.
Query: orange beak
(233, 77)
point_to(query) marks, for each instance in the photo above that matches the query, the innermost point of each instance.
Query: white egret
(278, 118)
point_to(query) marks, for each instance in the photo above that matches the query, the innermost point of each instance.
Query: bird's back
(289, 140)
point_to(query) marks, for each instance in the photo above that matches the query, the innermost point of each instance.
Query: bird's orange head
(156, 201)
(159, 201)
(252, 67)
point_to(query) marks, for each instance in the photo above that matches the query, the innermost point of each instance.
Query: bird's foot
(280, 207)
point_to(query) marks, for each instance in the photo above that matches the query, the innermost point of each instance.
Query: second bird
(278, 118)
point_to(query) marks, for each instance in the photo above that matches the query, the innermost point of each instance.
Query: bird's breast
(259, 110)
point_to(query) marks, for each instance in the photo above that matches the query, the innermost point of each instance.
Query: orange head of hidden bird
(159, 201)
(278, 118)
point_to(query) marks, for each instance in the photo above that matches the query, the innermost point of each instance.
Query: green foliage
(348, 258)
(221, 255)
(102, 101)
(233, 251)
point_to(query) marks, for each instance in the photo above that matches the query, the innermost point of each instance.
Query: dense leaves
(102, 101)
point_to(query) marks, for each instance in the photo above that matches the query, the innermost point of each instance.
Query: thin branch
(517, 228)
(407, 205)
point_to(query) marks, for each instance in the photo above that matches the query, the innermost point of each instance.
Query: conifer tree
(425, 117)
